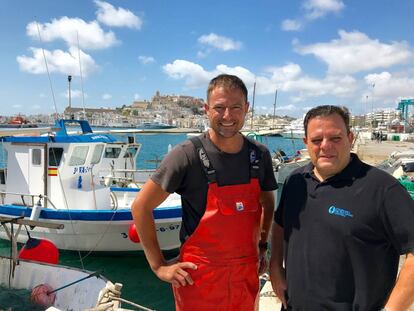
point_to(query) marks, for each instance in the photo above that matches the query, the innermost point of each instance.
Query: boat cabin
(57, 169)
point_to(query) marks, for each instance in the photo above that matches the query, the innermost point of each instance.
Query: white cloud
(291, 25)
(17, 106)
(36, 107)
(288, 72)
(386, 87)
(220, 42)
(196, 77)
(136, 96)
(146, 59)
(355, 51)
(107, 14)
(288, 78)
(106, 96)
(91, 35)
(313, 9)
(194, 74)
(319, 8)
(57, 61)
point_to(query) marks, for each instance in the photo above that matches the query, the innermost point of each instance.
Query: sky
(356, 53)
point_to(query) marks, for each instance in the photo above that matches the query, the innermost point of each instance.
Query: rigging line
(81, 258)
(72, 224)
(11, 262)
(102, 236)
(47, 70)
(65, 200)
(93, 187)
(81, 76)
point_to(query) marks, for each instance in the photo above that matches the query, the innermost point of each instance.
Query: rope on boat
(133, 304)
(109, 299)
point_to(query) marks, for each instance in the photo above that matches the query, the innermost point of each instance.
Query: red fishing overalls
(224, 247)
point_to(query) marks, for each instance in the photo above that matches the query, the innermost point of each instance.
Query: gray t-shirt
(181, 171)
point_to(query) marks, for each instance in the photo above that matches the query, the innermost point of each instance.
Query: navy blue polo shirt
(343, 237)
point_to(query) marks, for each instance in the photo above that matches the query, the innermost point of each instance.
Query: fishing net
(16, 300)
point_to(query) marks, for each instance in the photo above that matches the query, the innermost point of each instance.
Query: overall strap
(255, 155)
(208, 169)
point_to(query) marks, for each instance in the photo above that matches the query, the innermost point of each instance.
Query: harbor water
(140, 285)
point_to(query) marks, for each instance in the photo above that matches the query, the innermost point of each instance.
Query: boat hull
(293, 134)
(29, 274)
(96, 230)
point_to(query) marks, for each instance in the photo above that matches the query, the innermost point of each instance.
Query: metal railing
(33, 199)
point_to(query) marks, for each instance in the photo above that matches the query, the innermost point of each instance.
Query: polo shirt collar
(348, 173)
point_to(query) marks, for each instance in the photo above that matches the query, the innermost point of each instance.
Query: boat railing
(127, 176)
(121, 181)
(33, 199)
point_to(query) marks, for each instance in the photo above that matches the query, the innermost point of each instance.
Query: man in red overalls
(226, 183)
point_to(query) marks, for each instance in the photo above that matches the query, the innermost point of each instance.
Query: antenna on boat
(254, 95)
(81, 76)
(274, 111)
(47, 70)
(69, 92)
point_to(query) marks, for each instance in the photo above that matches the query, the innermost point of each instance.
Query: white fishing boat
(29, 274)
(294, 130)
(119, 162)
(58, 177)
(399, 163)
(293, 134)
(51, 286)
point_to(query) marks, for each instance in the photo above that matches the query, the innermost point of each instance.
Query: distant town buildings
(184, 111)
(387, 119)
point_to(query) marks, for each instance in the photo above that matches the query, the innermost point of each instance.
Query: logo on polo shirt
(239, 206)
(333, 210)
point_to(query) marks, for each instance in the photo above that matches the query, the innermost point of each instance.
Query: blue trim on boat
(87, 215)
(122, 189)
(85, 138)
(86, 128)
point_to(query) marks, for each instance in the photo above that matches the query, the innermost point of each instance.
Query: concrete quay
(373, 152)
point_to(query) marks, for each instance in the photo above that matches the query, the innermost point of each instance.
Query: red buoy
(40, 250)
(133, 234)
(42, 295)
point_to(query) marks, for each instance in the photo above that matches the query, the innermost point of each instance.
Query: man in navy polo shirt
(341, 227)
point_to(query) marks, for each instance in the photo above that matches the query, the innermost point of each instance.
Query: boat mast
(274, 111)
(69, 92)
(254, 95)
(81, 77)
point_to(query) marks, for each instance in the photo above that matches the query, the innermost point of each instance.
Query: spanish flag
(52, 171)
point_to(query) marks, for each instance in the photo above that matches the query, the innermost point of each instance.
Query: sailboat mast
(254, 95)
(274, 111)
